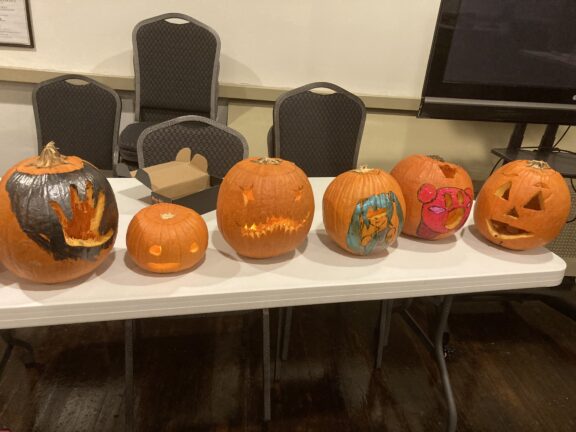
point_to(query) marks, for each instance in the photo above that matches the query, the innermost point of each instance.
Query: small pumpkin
(59, 217)
(523, 205)
(438, 195)
(363, 210)
(265, 207)
(167, 238)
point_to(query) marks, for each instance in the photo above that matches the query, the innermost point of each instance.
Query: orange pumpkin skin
(438, 196)
(265, 207)
(363, 210)
(59, 221)
(167, 238)
(523, 205)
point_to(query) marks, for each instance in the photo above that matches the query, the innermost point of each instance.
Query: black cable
(562, 137)
(574, 189)
(494, 167)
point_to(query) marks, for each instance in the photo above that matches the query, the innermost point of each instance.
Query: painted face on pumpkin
(376, 222)
(443, 209)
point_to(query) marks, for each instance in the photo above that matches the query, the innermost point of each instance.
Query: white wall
(375, 47)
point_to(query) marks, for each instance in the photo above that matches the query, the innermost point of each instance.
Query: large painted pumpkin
(523, 205)
(265, 207)
(363, 210)
(59, 217)
(438, 196)
(166, 238)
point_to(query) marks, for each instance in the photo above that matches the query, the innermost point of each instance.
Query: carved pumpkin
(265, 207)
(166, 238)
(438, 196)
(523, 205)
(59, 217)
(363, 210)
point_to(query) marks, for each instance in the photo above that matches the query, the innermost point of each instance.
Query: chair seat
(129, 139)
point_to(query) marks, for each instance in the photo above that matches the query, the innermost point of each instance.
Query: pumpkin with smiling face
(438, 195)
(265, 207)
(523, 205)
(166, 238)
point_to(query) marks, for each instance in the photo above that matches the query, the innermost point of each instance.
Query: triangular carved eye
(504, 191)
(536, 202)
(447, 170)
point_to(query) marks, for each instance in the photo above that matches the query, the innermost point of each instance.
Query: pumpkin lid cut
(50, 161)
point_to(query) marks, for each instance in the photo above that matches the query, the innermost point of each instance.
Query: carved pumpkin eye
(247, 194)
(447, 170)
(298, 193)
(155, 250)
(504, 191)
(535, 203)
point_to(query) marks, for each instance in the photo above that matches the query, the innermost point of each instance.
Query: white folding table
(317, 272)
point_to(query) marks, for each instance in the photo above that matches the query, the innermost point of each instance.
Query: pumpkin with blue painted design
(363, 210)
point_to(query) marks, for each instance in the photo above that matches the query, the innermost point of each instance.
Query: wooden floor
(513, 369)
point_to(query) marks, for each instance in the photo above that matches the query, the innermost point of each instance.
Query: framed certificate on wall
(15, 24)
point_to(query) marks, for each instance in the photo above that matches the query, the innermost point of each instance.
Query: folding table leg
(383, 329)
(11, 341)
(286, 332)
(129, 375)
(277, 360)
(441, 359)
(266, 369)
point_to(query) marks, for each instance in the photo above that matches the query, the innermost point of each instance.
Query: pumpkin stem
(166, 216)
(436, 157)
(538, 164)
(267, 161)
(49, 157)
(363, 169)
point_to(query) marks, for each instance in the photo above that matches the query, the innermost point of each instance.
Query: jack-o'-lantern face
(522, 205)
(166, 238)
(443, 210)
(265, 207)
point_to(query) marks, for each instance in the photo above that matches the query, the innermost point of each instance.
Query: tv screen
(503, 60)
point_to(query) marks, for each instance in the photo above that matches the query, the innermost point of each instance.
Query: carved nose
(513, 213)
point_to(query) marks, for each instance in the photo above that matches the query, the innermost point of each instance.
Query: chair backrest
(220, 145)
(81, 116)
(176, 68)
(321, 133)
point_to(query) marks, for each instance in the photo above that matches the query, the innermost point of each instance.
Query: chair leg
(286, 333)
(383, 329)
(266, 367)
(129, 375)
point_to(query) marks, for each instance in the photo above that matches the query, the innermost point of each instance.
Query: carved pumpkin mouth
(505, 231)
(454, 218)
(272, 225)
(164, 267)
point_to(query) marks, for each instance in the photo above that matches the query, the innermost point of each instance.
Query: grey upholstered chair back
(219, 144)
(176, 67)
(321, 133)
(81, 116)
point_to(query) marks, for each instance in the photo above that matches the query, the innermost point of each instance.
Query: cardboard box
(185, 181)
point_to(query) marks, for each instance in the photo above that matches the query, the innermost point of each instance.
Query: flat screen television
(503, 60)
